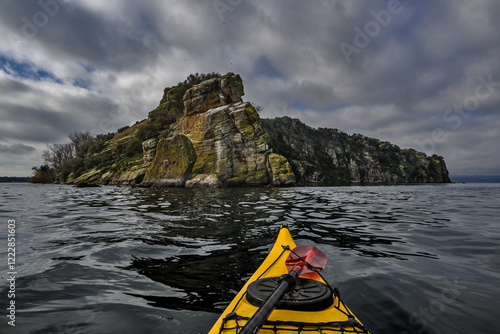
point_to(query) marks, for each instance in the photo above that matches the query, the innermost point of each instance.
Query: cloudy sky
(420, 74)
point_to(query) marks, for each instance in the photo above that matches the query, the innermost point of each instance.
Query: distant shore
(10, 179)
(475, 178)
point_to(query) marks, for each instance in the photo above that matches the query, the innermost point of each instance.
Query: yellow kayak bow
(311, 306)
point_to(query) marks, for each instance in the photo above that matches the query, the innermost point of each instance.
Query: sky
(422, 74)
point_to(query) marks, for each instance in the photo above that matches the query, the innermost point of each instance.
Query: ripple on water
(89, 257)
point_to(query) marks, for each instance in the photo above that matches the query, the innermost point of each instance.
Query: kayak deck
(336, 318)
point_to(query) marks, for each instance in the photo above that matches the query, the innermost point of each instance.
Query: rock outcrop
(213, 93)
(217, 141)
(204, 135)
(331, 157)
(172, 164)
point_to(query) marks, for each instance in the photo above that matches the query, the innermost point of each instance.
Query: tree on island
(60, 159)
(43, 174)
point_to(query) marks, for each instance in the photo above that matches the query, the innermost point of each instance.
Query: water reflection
(215, 236)
(182, 253)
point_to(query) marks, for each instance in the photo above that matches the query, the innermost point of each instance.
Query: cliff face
(217, 141)
(329, 156)
(206, 136)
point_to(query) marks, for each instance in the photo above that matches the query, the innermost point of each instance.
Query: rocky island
(203, 134)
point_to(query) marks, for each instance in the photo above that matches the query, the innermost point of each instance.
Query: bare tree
(58, 154)
(80, 138)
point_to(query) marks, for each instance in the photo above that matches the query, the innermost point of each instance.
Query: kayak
(310, 305)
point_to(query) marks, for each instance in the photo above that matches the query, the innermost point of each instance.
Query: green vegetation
(158, 122)
(330, 156)
(114, 151)
(175, 93)
(83, 153)
(171, 108)
(43, 174)
(61, 160)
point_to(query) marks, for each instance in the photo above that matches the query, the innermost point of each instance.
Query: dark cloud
(19, 149)
(89, 36)
(310, 94)
(41, 125)
(99, 65)
(38, 113)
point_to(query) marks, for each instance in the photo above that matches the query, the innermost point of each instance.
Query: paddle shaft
(254, 324)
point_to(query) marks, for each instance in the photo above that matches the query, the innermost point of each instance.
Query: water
(406, 259)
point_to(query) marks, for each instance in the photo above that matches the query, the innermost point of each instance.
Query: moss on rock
(280, 169)
(173, 162)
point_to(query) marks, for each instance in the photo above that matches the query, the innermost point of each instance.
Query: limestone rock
(281, 170)
(216, 140)
(172, 164)
(230, 144)
(213, 93)
(149, 149)
(131, 176)
(232, 88)
(204, 135)
(204, 181)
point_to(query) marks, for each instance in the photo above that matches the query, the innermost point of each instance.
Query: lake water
(406, 259)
